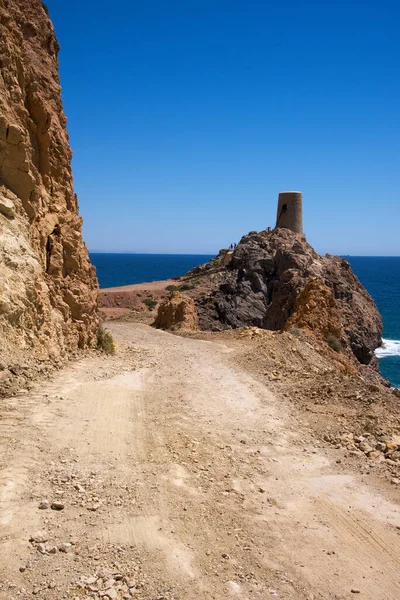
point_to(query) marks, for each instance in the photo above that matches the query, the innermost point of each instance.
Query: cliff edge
(48, 286)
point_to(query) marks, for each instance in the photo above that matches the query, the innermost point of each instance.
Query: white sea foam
(389, 348)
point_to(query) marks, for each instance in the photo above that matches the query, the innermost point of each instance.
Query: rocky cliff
(268, 273)
(48, 286)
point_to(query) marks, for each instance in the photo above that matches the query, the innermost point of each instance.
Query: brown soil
(189, 469)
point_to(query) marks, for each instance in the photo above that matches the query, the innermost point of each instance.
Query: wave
(388, 348)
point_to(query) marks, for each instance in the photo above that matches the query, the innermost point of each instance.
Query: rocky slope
(261, 281)
(47, 284)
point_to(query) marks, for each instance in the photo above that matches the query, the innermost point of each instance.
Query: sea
(379, 275)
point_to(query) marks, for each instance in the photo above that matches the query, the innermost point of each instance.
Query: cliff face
(265, 276)
(48, 286)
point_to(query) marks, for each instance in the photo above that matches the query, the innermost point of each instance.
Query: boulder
(7, 207)
(177, 313)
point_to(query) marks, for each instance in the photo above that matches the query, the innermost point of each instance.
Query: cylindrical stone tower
(290, 211)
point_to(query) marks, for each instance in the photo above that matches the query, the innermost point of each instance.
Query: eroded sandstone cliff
(48, 286)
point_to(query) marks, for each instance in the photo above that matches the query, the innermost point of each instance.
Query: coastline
(145, 285)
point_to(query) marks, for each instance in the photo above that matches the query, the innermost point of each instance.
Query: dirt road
(182, 477)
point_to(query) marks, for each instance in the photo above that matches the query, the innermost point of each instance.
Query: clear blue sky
(187, 118)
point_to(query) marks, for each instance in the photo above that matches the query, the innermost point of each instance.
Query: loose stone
(39, 537)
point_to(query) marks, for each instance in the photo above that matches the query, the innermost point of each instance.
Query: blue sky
(187, 118)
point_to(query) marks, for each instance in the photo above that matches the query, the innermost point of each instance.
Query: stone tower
(290, 211)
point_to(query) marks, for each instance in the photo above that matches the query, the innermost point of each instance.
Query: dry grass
(105, 341)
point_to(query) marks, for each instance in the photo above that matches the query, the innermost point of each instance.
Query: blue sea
(380, 275)
(123, 269)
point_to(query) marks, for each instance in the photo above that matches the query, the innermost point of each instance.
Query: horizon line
(153, 253)
(215, 253)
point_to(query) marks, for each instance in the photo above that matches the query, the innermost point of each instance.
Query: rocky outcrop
(267, 273)
(48, 286)
(316, 314)
(177, 313)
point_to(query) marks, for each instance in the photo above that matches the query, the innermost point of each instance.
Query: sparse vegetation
(105, 341)
(181, 288)
(334, 342)
(150, 303)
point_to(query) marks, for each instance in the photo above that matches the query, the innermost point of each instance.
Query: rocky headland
(275, 280)
(48, 287)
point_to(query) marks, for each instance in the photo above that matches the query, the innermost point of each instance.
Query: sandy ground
(138, 287)
(182, 476)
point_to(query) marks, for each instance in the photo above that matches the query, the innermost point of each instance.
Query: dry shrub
(105, 341)
(334, 342)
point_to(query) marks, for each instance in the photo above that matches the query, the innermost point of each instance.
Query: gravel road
(168, 472)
